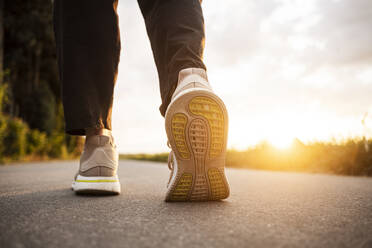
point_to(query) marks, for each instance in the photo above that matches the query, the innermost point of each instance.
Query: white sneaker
(98, 167)
(196, 123)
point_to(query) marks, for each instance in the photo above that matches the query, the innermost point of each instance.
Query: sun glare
(282, 143)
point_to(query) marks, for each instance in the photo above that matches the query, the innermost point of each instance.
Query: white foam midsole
(111, 184)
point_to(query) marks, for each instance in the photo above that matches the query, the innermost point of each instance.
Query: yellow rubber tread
(217, 184)
(179, 122)
(211, 110)
(182, 189)
(200, 191)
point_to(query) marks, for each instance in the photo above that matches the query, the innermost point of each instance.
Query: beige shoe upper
(191, 78)
(99, 157)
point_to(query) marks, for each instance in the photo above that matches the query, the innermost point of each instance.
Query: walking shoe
(98, 167)
(196, 123)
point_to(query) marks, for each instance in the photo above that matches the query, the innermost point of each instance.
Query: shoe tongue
(98, 140)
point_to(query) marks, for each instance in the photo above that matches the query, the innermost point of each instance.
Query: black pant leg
(176, 32)
(88, 48)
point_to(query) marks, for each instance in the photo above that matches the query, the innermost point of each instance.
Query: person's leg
(176, 32)
(195, 118)
(88, 48)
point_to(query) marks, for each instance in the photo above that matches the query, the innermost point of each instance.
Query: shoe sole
(196, 126)
(96, 185)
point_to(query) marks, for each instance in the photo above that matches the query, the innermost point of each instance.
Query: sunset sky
(285, 69)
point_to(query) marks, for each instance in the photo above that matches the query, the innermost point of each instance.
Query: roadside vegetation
(351, 157)
(155, 157)
(31, 114)
(19, 142)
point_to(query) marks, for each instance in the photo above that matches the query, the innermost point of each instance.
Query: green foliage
(3, 120)
(30, 58)
(14, 141)
(74, 144)
(19, 142)
(158, 157)
(3, 126)
(36, 142)
(4, 97)
(40, 109)
(56, 146)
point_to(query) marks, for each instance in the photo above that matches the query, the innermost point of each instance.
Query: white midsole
(110, 184)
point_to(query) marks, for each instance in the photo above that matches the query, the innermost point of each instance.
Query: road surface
(265, 209)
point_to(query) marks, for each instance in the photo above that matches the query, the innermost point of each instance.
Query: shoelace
(170, 157)
(170, 163)
(170, 160)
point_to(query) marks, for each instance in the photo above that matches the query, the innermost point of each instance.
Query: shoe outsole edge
(96, 185)
(200, 176)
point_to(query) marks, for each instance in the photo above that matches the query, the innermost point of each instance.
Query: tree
(1, 40)
(30, 57)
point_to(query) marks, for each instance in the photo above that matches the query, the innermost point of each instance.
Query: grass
(158, 157)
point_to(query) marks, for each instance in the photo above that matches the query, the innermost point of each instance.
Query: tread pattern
(198, 135)
(211, 110)
(179, 122)
(218, 187)
(182, 189)
(200, 191)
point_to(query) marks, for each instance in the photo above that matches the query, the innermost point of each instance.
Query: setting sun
(280, 79)
(281, 143)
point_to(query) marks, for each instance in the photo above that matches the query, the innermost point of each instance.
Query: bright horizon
(285, 69)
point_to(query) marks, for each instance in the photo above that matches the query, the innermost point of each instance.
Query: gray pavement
(265, 209)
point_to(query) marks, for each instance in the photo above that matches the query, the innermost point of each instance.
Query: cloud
(345, 30)
(311, 32)
(269, 60)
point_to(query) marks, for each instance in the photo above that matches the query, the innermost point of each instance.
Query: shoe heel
(198, 131)
(182, 188)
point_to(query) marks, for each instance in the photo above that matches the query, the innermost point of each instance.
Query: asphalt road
(265, 209)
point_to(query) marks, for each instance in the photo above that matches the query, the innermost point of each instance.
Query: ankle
(191, 78)
(97, 131)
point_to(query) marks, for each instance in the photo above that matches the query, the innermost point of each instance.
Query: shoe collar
(191, 75)
(100, 140)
